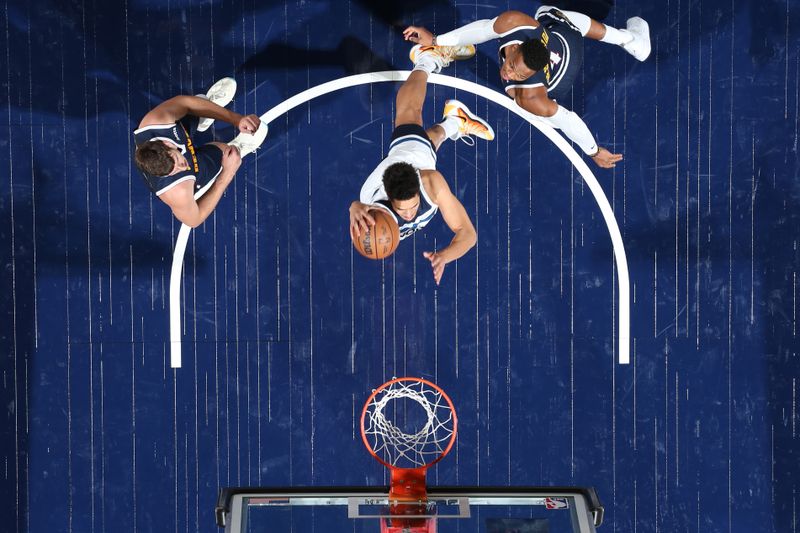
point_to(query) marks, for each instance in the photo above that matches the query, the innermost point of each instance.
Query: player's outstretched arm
(176, 108)
(536, 101)
(181, 197)
(457, 219)
(476, 32)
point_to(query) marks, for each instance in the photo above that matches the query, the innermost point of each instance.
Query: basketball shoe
(442, 55)
(250, 142)
(639, 46)
(469, 124)
(221, 93)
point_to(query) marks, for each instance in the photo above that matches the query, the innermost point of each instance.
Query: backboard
(361, 509)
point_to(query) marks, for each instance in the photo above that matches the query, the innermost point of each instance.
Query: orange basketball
(382, 239)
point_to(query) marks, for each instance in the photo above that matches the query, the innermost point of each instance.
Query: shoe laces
(216, 95)
(447, 53)
(442, 55)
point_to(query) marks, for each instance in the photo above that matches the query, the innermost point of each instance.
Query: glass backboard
(457, 509)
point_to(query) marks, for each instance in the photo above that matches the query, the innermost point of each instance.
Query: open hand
(606, 159)
(437, 263)
(418, 35)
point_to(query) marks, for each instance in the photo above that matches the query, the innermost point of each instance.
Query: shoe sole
(227, 98)
(641, 30)
(449, 105)
(227, 95)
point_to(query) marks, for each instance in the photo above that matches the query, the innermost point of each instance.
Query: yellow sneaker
(442, 55)
(469, 123)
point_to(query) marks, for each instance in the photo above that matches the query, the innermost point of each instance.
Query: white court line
(620, 259)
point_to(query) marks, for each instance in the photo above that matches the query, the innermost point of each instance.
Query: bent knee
(408, 116)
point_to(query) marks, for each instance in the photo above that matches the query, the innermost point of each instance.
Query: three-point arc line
(620, 260)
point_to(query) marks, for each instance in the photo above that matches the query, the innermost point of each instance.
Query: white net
(402, 434)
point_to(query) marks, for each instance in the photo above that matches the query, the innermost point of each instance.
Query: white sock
(450, 126)
(425, 63)
(581, 21)
(615, 36)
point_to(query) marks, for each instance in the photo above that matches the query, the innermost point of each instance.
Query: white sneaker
(442, 55)
(469, 124)
(221, 93)
(250, 142)
(639, 46)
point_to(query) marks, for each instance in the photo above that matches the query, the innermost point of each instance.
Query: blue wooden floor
(286, 331)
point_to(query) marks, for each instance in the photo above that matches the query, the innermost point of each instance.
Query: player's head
(524, 60)
(160, 159)
(534, 54)
(401, 182)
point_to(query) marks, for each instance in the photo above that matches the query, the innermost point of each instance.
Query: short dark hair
(534, 54)
(401, 181)
(153, 158)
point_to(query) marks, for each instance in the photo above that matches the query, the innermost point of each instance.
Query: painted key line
(620, 259)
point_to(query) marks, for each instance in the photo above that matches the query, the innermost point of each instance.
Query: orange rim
(388, 384)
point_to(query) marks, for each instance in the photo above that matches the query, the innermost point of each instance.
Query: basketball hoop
(408, 425)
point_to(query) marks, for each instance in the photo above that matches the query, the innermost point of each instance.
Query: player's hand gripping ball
(382, 239)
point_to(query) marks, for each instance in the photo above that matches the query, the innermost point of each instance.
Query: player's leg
(411, 97)
(635, 39)
(427, 60)
(437, 134)
(221, 146)
(592, 29)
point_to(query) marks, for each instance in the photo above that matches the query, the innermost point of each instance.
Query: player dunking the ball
(406, 183)
(190, 179)
(541, 56)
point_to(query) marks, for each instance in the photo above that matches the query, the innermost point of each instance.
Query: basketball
(382, 239)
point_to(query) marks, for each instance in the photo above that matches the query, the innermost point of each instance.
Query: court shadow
(18, 343)
(351, 55)
(398, 15)
(597, 9)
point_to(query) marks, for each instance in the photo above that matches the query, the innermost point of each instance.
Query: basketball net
(408, 454)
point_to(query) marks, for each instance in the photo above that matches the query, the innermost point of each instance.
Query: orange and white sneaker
(469, 124)
(442, 55)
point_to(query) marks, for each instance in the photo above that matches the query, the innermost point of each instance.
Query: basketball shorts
(209, 158)
(572, 41)
(410, 144)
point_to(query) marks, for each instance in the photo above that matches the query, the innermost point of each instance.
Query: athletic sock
(450, 126)
(425, 63)
(618, 37)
